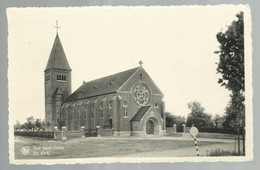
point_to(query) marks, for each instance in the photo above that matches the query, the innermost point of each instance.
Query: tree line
(31, 124)
(197, 117)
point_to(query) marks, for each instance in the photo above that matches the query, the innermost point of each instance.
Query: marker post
(194, 131)
(196, 146)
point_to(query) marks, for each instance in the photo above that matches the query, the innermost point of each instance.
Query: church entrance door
(149, 127)
(110, 123)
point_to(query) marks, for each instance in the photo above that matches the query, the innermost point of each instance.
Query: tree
(197, 117)
(38, 123)
(47, 124)
(60, 123)
(217, 118)
(179, 121)
(30, 124)
(43, 124)
(17, 125)
(169, 119)
(231, 68)
(231, 56)
(173, 119)
(235, 111)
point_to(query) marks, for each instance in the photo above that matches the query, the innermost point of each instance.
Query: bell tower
(57, 81)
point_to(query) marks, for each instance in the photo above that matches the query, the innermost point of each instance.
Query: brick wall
(73, 134)
(106, 132)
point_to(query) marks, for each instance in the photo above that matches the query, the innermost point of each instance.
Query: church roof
(57, 58)
(105, 85)
(140, 113)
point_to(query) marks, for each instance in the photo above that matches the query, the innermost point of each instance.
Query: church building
(128, 102)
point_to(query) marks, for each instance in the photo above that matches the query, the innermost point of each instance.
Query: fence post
(238, 141)
(82, 128)
(63, 133)
(235, 144)
(55, 133)
(243, 137)
(98, 131)
(174, 128)
(184, 129)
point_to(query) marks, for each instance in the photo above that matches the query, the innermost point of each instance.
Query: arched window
(101, 105)
(125, 110)
(111, 104)
(61, 77)
(101, 109)
(93, 106)
(48, 77)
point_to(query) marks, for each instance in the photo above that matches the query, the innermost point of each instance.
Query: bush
(217, 130)
(44, 134)
(91, 133)
(221, 152)
(179, 128)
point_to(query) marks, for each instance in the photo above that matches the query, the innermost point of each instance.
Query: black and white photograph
(130, 84)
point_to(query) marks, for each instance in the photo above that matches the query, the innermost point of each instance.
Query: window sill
(61, 81)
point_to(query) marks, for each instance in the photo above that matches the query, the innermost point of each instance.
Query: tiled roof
(57, 58)
(105, 85)
(140, 113)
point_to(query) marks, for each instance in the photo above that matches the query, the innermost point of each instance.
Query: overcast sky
(176, 45)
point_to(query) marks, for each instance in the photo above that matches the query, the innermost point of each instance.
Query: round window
(141, 95)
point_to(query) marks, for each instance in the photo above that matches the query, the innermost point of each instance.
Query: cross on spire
(141, 62)
(57, 27)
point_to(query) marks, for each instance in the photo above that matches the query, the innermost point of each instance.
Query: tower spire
(57, 59)
(57, 26)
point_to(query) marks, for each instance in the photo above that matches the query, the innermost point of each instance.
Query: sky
(176, 45)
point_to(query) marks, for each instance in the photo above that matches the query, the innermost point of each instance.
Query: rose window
(141, 95)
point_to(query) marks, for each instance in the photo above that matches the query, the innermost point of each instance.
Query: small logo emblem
(25, 150)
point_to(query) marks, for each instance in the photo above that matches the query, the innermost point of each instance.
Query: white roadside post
(194, 132)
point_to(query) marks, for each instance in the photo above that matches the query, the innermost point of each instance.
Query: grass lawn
(35, 148)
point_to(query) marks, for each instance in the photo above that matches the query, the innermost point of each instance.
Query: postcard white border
(249, 117)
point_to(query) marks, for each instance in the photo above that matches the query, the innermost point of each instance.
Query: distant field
(36, 148)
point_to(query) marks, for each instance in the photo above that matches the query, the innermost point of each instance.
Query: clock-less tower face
(141, 95)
